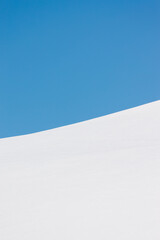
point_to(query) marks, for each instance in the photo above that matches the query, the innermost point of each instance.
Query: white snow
(95, 180)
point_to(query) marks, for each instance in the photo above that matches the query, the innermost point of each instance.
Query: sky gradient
(63, 62)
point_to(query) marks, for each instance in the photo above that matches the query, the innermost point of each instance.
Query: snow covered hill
(95, 180)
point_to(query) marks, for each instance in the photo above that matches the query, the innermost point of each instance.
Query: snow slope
(98, 179)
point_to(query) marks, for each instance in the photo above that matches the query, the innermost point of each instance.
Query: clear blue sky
(63, 62)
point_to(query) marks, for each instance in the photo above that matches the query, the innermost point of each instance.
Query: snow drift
(96, 180)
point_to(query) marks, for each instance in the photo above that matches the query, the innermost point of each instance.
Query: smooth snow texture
(98, 179)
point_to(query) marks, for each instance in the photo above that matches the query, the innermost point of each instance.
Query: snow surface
(98, 179)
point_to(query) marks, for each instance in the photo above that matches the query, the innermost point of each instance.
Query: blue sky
(63, 62)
